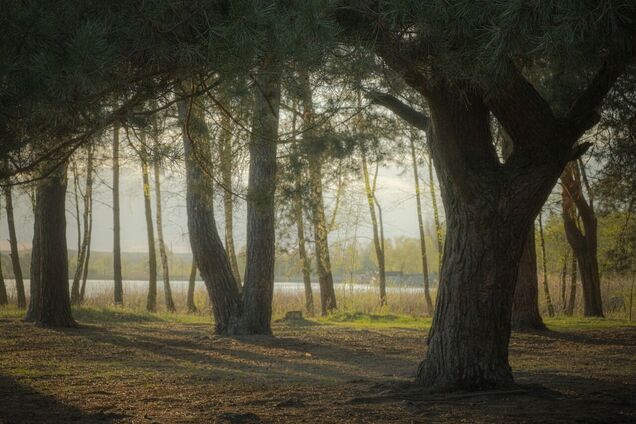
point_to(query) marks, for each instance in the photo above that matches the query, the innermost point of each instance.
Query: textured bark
(165, 271)
(82, 253)
(302, 252)
(546, 289)
(258, 290)
(377, 240)
(438, 226)
(117, 275)
(321, 231)
(192, 307)
(13, 242)
(151, 300)
(227, 167)
(207, 248)
(50, 302)
(33, 310)
(525, 306)
(420, 221)
(583, 242)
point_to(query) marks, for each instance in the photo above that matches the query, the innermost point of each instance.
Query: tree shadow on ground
(22, 404)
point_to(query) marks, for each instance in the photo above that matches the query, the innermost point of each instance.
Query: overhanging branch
(418, 119)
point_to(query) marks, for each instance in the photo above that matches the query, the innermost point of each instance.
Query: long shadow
(22, 404)
(598, 337)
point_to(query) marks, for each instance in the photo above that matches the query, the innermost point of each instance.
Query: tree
(117, 275)
(84, 253)
(13, 242)
(192, 307)
(50, 304)
(583, 242)
(489, 205)
(420, 221)
(544, 263)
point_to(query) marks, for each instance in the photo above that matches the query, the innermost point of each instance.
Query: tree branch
(418, 119)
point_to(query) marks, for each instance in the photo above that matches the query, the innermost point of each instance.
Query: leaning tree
(471, 61)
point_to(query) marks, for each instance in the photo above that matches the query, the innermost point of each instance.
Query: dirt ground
(157, 372)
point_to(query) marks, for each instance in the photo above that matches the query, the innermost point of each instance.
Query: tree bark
(420, 221)
(4, 300)
(13, 242)
(546, 289)
(583, 242)
(89, 231)
(377, 242)
(321, 231)
(207, 248)
(564, 275)
(192, 307)
(50, 302)
(151, 301)
(525, 306)
(117, 274)
(438, 226)
(81, 255)
(302, 252)
(258, 290)
(167, 292)
(227, 167)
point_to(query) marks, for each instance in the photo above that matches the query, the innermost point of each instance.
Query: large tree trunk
(321, 231)
(13, 242)
(192, 307)
(420, 222)
(227, 168)
(117, 275)
(377, 241)
(259, 271)
(583, 243)
(151, 301)
(81, 255)
(50, 302)
(525, 306)
(167, 292)
(207, 249)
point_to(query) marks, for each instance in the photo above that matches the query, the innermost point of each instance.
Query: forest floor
(121, 367)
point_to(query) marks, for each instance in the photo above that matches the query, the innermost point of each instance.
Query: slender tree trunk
(167, 292)
(258, 290)
(13, 242)
(207, 248)
(89, 231)
(302, 252)
(78, 218)
(151, 301)
(370, 191)
(572, 299)
(420, 221)
(227, 168)
(117, 274)
(544, 259)
(438, 225)
(35, 283)
(525, 307)
(50, 303)
(4, 300)
(564, 275)
(321, 231)
(192, 308)
(81, 255)
(583, 243)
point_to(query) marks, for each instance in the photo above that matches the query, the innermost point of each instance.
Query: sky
(395, 192)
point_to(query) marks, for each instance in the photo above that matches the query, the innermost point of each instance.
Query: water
(95, 288)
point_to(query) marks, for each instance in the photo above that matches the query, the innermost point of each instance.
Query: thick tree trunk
(583, 243)
(117, 275)
(81, 255)
(258, 290)
(525, 307)
(207, 248)
(321, 231)
(33, 310)
(420, 221)
(192, 307)
(50, 302)
(227, 168)
(13, 242)
(544, 263)
(151, 301)
(167, 292)
(572, 299)
(377, 242)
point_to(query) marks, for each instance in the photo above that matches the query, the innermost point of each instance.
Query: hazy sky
(395, 194)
